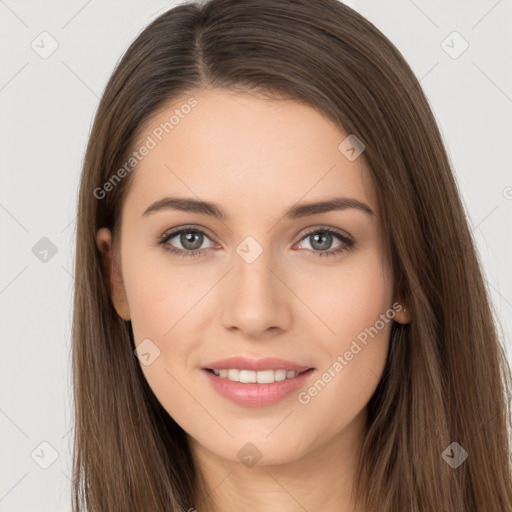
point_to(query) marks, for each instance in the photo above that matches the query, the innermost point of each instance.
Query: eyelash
(181, 253)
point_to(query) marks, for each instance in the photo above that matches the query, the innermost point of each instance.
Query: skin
(256, 157)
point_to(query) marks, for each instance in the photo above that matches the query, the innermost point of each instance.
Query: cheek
(160, 293)
(351, 298)
(165, 303)
(158, 305)
(357, 307)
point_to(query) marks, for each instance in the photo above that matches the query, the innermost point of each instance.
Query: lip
(257, 395)
(267, 363)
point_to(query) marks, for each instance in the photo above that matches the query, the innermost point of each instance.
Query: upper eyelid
(171, 233)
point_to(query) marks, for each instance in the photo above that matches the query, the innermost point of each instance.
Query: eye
(190, 239)
(320, 241)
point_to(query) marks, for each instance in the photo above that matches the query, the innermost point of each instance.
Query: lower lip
(257, 395)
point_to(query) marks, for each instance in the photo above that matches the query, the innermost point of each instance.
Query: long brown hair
(446, 378)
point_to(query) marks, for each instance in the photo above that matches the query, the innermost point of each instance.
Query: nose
(257, 302)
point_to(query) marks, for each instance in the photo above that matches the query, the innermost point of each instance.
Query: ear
(112, 273)
(402, 314)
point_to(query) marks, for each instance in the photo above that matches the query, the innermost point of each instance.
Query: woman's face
(312, 288)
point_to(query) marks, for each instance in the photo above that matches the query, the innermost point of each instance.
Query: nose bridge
(253, 277)
(257, 300)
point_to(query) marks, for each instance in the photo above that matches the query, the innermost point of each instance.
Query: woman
(278, 302)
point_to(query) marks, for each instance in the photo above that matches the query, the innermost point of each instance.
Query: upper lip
(267, 363)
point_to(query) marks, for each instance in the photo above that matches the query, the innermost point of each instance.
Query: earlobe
(112, 273)
(402, 316)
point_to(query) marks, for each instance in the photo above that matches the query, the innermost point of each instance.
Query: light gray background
(47, 107)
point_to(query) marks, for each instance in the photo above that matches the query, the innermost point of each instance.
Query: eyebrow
(297, 211)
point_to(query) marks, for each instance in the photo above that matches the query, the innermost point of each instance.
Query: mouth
(250, 388)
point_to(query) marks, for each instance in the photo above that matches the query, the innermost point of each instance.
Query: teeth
(280, 374)
(234, 375)
(261, 377)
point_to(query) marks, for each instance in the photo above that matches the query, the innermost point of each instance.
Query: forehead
(246, 151)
